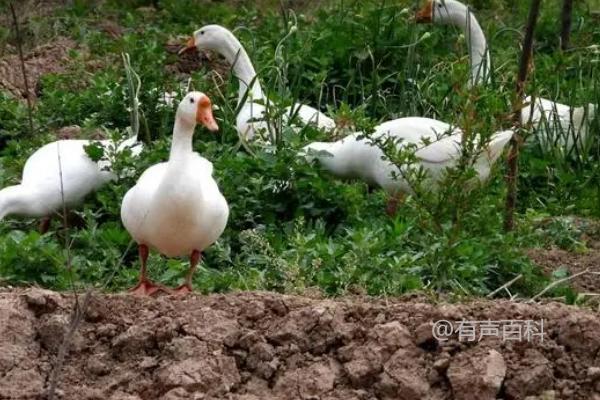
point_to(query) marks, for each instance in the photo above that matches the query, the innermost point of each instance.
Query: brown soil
(551, 260)
(193, 61)
(252, 346)
(554, 259)
(26, 10)
(48, 58)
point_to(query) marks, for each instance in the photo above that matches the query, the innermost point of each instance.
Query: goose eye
(202, 32)
(192, 100)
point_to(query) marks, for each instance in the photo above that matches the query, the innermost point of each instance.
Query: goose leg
(393, 202)
(145, 286)
(44, 225)
(187, 285)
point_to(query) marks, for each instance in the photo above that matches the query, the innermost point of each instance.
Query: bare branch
(23, 67)
(505, 286)
(515, 141)
(76, 318)
(558, 282)
(566, 19)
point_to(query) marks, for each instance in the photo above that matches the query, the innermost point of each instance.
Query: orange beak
(204, 115)
(425, 14)
(190, 45)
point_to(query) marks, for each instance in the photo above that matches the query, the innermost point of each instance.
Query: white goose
(566, 123)
(250, 120)
(176, 206)
(42, 190)
(352, 157)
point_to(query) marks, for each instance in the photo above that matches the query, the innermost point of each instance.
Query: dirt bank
(552, 260)
(255, 346)
(49, 58)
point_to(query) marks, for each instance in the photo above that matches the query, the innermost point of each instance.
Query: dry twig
(558, 282)
(515, 141)
(505, 286)
(23, 67)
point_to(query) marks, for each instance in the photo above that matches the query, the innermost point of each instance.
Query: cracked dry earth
(255, 346)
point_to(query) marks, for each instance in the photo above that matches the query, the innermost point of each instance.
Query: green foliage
(292, 226)
(31, 257)
(95, 151)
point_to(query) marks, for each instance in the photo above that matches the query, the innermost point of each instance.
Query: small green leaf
(95, 151)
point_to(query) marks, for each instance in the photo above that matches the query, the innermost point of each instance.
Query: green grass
(364, 60)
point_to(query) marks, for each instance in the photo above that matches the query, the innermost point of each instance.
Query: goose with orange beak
(176, 207)
(254, 107)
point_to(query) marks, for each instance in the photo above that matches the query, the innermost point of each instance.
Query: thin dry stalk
(65, 221)
(23, 67)
(558, 282)
(566, 19)
(515, 141)
(78, 311)
(76, 318)
(505, 286)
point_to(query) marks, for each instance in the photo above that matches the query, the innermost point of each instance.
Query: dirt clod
(41, 301)
(477, 374)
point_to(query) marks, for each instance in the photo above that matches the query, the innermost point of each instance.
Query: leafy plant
(292, 226)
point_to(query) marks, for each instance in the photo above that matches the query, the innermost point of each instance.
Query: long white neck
(461, 16)
(181, 146)
(236, 55)
(16, 200)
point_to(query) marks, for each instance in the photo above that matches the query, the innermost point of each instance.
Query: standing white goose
(250, 120)
(58, 170)
(565, 123)
(176, 206)
(438, 147)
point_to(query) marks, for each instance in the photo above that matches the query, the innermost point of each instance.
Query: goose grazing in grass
(60, 171)
(250, 120)
(566, 126)
(176, 206)
(438, 147)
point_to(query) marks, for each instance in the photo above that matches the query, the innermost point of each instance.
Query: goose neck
(16, 200)
(462, 17)
(236, 55)
(181, 146)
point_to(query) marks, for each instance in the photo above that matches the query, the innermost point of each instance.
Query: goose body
(438, 147)
(251, 121)
(41, 190)
(176, 207)
(565, 123)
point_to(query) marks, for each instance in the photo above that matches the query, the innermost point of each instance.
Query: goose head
(441, 12)
(317, 151)
(222, 41)
(331, 156)
(210, 37)
(196, 108)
